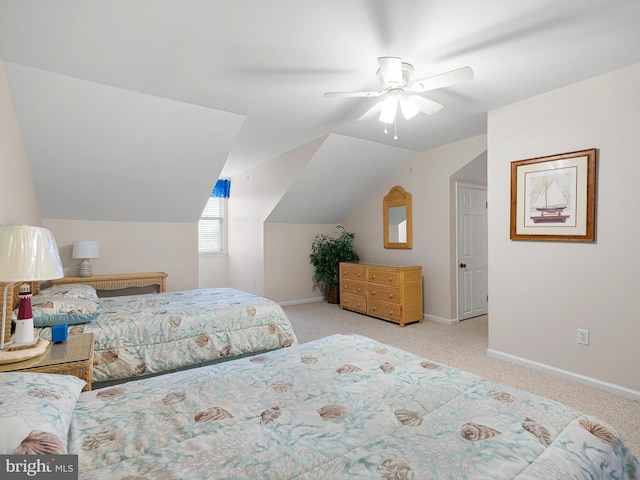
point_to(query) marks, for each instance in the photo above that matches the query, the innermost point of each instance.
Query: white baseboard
(558, 372)
(447, 321)
(304, 300)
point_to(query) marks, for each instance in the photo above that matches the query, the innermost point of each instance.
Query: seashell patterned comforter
(142, 334)
(341, 407)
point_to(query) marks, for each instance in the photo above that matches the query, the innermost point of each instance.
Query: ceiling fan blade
(425, 105)
(443, 80)
(353, 94)
(372, 112)
(391, 70)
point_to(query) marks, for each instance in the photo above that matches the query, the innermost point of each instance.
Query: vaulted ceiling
(131, 109)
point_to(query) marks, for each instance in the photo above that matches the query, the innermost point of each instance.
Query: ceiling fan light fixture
(408, 108)
(388, 110)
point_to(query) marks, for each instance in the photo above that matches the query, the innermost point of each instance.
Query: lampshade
(28, 254)
(408, 108)
(388, 110)
(85, 249)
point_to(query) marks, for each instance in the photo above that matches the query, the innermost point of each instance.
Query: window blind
(211, 224)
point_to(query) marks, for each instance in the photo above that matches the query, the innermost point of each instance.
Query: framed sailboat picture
(553, 198)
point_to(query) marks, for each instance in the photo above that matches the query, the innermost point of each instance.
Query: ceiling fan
(394, 76)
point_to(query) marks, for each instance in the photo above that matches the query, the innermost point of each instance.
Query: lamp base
(24, 331)
(18, 354)
(85, 268)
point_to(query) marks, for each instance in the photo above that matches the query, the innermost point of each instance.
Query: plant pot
(333, 295)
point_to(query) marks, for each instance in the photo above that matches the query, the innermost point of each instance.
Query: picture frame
(553, 198)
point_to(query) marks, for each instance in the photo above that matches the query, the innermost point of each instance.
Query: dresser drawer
(383, 293)
(388, 311)
(353, 302)
(353, 271)
(383, 276)
(353, 287)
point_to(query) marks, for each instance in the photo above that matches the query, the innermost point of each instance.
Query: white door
(472, 250)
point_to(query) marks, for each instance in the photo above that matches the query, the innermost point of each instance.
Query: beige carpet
(464, 346)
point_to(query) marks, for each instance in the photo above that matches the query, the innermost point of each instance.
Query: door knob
(463, 265)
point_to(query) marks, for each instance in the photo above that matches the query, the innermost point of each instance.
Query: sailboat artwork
(551, 204)
(550, 198)
(553, 198)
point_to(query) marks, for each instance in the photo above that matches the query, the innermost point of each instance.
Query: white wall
(253, 196)
(287, 266)
(18, 200)
(427, 177)
(542, 292)
(132, 247)
(213, 271)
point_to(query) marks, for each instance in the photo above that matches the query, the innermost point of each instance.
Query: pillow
(49, 311)
(85, 292)
(64, 304)
(36, 411)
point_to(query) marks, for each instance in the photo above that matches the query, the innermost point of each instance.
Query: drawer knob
(374, 308)
(373, 277)
(373, 293)
(390, 279)
(391, 313)
(391, 295)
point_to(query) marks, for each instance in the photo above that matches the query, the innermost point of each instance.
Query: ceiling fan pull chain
(395, 127)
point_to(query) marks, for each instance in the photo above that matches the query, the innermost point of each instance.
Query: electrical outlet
(583, 336)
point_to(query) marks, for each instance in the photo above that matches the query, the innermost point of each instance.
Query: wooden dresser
(387, 292)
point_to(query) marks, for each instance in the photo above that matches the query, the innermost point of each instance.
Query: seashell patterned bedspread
(142, 334)
(341, 407)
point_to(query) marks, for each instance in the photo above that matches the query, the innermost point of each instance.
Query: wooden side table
(119, 281)
(73, 357)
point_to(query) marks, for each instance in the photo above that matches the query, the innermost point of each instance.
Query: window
(211, 227)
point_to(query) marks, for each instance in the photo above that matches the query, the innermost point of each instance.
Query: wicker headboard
(12, 303)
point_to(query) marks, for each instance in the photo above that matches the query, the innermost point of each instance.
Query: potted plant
(327, 251)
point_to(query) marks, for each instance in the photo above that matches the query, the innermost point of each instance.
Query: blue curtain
(222, 189)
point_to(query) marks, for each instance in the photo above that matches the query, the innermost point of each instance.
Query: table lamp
(27, 254)
(85, 249)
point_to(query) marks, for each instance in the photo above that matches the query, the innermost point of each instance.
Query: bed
(147, 334)
(344, 406)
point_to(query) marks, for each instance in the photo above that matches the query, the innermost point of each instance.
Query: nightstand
(119, 281)
(73, 357)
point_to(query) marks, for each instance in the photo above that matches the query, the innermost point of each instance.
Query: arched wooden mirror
(396, 214)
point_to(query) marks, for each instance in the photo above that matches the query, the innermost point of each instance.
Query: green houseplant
(327, 251)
